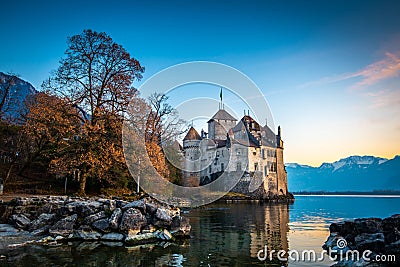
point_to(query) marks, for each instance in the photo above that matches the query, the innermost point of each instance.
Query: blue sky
(328, 69)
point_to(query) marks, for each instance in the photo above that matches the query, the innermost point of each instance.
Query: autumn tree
(96, 76)
(50, 123)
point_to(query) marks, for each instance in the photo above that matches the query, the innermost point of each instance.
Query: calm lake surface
(223, 235)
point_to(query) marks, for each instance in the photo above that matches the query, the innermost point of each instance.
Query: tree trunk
(82, 184)
(8, 174)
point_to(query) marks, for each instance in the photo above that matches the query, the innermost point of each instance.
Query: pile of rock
(71, 218)
(380, 236)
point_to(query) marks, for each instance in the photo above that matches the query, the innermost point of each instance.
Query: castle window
(209, 169)
(272, 166)
(222, 167)
(263, 153)
(265, 170)
(239, 166)
(255, 167)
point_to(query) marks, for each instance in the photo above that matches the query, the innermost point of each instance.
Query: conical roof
(222, 114)
(192, 135)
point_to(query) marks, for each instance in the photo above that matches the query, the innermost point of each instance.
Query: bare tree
(163, 123)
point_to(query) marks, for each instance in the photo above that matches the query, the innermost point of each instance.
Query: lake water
(224, 235)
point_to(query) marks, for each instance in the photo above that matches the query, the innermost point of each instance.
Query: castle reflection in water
(234, 234)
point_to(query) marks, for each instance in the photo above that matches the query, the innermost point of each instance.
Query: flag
(220, 94)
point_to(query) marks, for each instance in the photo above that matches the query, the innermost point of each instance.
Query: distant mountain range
(13, 93)
(355, 173)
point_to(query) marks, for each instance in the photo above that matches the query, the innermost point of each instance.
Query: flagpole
(220, 96)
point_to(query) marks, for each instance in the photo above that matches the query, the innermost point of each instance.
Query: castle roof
(251, 127)
(222, 114)
(192, 135)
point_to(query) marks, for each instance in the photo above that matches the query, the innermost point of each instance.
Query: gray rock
(138, 204)
(113, 237)
(374, 242)
(132, 220)
(41, 221)
(41, 231)
(121, 203)
(86, 235)
(21, 221)
(63, 227)
(95, 205)
(110, 205)
(133, 239)
(95, 217)
(102, 225)
(151, 208)
(115, 218)
(331, 241)
(162, 218)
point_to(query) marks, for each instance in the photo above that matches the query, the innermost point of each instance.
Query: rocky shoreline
(54, 220)
(378, 238)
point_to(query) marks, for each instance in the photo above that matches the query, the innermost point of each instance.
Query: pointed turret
(192, 135)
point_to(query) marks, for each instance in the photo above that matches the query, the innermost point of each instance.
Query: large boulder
(95, 217)
(133, 239)
(86, 233)
(132, 220)
(138, 204)
(162, 218)
(64, 227)
(102, 225)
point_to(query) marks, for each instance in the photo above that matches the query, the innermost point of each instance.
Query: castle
(234, 147)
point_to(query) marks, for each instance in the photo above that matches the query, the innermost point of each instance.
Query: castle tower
(282, 184)
(191, 146)
(220, 124)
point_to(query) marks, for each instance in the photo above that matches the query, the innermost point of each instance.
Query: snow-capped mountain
(13, 92)
(354, 162)
(355, 173)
